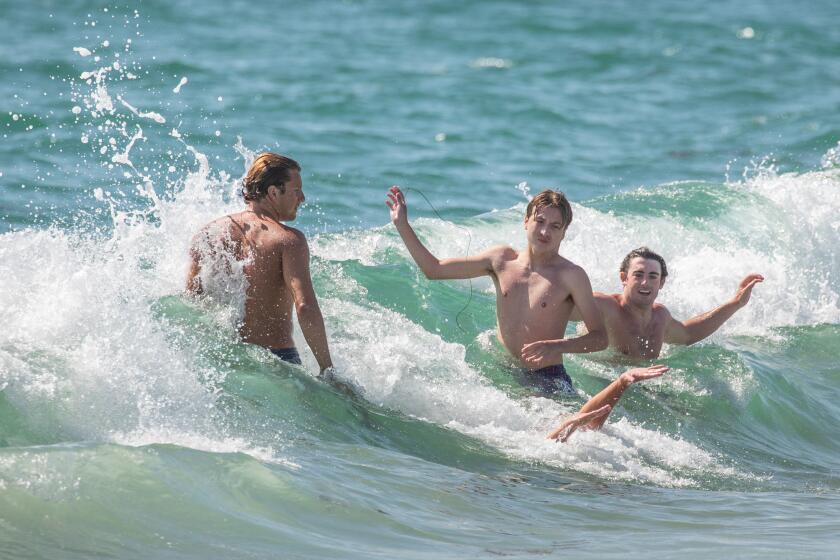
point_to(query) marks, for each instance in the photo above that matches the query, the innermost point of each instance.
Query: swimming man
(638, 326)
(275, 258)
(536, 289)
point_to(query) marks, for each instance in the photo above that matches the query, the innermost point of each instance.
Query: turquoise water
(134, 425)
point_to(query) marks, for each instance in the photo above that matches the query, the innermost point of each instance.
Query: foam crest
(399, 365)
(81, 339)
(784, 227)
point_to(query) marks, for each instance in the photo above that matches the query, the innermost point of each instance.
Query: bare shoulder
(291, 235)
(503, 251)
(570, 271)
(661, 312)
(500, 254)
(218, 230)
(608, 301)
(290, 239)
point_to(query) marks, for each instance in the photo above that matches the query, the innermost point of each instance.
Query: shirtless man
(637, 326)
(275, 258)
(536, 289)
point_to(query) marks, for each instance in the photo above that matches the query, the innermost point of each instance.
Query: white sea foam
(785, 227)
(81, 335)
(157, 117)
(181, 84)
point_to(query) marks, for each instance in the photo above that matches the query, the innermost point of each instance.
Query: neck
(264, 211)
(537, 259)
(639, 311)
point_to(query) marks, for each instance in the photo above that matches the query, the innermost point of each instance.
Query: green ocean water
(133, 424)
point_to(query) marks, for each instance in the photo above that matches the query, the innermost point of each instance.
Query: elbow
(431, 271)
(307, 310)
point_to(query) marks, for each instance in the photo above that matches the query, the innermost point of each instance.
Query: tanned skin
(638, 326)
(595, 412)
(536, 289)
(277, 269)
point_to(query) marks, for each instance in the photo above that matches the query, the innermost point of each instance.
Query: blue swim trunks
(551, 379)
(287, 354)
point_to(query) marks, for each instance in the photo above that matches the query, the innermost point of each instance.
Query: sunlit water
(134, 424)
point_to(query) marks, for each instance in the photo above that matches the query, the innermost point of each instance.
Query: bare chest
(635, 339)
(533, 291)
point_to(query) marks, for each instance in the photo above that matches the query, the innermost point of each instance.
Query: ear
(661, 282)
(623, 276)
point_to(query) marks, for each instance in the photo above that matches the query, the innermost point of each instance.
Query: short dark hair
(267, 169)
(644, 253)
(555, 199)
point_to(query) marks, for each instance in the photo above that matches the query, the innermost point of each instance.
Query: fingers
(568, 427)
(397, 193)
(751, 279)
(533, 352)
(597, 413)
(655, 371)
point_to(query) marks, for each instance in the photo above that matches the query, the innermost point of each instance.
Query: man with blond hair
(274, 259)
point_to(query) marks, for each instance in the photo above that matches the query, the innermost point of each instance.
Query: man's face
(288, 202)
(545, 230)
(642, 281)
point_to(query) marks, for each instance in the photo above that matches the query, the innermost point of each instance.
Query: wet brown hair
(267, 169)
(554, 199)
(644, 253)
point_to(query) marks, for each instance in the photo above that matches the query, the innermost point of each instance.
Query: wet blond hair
(549, 198)
(267, 169)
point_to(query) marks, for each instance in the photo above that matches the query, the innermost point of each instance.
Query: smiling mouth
(644, 292)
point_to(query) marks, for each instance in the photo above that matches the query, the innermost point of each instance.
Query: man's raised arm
(699, 327)
(297, 277)
(432, 267)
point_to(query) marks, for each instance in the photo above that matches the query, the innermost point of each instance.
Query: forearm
(589, 342)
(592, 341)
(312, 325)
(427, 262)
(701, 326)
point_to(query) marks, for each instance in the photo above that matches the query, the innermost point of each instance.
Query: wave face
(113, 380)
(135, 424)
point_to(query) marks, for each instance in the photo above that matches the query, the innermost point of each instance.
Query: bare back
(259, 243)
(532, 304)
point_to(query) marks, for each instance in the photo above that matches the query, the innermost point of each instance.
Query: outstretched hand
(742, 296)
(396, 203)
(643, 373)
(568, 427)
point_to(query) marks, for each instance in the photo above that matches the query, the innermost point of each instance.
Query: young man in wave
(637, 326)
(275, 259)
(536, 289)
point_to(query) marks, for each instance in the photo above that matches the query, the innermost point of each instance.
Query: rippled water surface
(133, 424)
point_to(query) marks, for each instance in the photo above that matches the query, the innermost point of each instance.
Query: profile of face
(286, 203)
(642, 281)
(545, 230)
